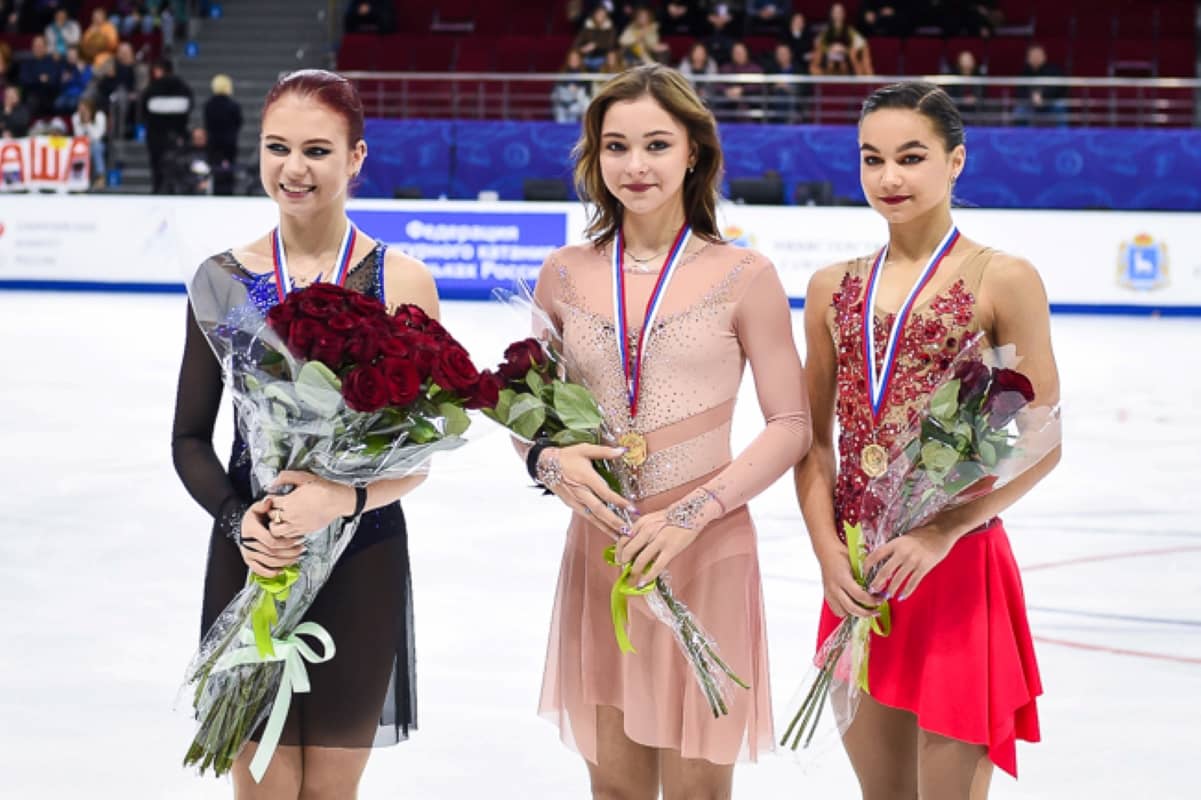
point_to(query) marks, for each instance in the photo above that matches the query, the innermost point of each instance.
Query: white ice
(102, 556)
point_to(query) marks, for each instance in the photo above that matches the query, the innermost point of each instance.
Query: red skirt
(960, 656)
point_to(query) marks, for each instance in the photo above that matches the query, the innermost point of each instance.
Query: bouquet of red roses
(976, 434)
(327, 382)
(535, 401)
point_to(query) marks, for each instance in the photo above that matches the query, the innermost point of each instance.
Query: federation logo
(737, 236)
(1143, 264)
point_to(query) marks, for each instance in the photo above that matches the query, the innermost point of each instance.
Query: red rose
(362, 347)
(487, 391)
(365, 389)
(302, 334)
(330, 349)
(397, 346)
(320, 305)
(973, 380)
(404, 384)
(1009, 393)
(454, 371)
(520, 357)
(280, 318)
(411, 316)
(344, 321)
(366, 306)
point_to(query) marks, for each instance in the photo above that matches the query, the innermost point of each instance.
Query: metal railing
(796, 99)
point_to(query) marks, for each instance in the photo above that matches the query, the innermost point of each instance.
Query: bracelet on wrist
(360, 502)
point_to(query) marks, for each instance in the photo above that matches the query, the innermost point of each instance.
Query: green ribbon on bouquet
(862, 628)
(293, 652)
(263, 616)
(619, 599)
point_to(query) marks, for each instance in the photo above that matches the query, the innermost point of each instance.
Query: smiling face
(306, 162)
(905, 168)
(645, 154)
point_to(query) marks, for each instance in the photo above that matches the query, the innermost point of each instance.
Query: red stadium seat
(1089, 59)
(1006, 56)
(1053, 18)
(414, 16)
(454, 15)
(923, 56)
(513, 54)
(547, 53)
(474, 55)
(680, 45)
(1176, 58)
(432, 54)
(886, 55)
(1176, 19)
(359, 51)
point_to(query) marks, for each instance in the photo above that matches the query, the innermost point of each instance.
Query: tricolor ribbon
(279, 257)
(293, 652)
(879, 380)
(633, 372)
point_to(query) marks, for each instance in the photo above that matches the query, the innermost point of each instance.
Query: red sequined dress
(960, 655)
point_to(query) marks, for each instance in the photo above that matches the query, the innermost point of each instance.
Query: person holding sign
(954, 682)
(659, 317)
(311, 148)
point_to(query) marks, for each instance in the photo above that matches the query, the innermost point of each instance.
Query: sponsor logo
(1143, 264)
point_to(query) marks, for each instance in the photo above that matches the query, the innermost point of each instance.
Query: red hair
(327, 88)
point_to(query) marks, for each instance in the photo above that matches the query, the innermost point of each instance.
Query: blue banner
(1067, 168)
(470, 252)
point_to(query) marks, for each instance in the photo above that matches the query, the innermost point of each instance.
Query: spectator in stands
(90, 122)
(222, 124)
(370, 16)
(799, 38)
(569, 97)
(679, 18)
(14, 116)
(640, 42)
(130, 17)
(117, 90)
(969, 97)
(1040, 105)
(74, 78)
(612, 64)
(697, 63)
(39, 78)
(720, 41)
(7, 68)
(186, 168)
(783, 96)
(100, 40)
(597, 38)
(884, 18)
(738, 95)
(61, 33)
(166, 105)
(958, 17)
(768, 16)
(841, 50)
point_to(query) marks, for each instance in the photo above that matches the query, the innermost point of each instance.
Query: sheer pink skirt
(717, 577)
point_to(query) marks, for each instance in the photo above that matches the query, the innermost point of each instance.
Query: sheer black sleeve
(197, 401)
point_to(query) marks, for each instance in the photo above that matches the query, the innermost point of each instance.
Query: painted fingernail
(901, 599)
(888, 595)
(625, 530)
(622, 450)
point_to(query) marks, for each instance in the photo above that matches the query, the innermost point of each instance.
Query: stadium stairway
(252, 41)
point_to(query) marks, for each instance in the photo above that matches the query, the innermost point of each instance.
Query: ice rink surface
(102, 556)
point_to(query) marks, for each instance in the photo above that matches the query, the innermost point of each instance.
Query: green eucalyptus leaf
(988, 453)
(944, 403)
(568, 436)
(457, 421)
(576, 407)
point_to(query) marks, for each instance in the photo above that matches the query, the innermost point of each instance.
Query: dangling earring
(691, 168)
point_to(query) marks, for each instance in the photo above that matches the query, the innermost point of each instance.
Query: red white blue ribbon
(633, 372)
(879, 381)
(283, 279)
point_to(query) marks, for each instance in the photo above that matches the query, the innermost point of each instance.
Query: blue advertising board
(470, 253)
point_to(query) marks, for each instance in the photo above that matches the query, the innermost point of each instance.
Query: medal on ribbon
(284, 282)
(634, 442)
(874, 458)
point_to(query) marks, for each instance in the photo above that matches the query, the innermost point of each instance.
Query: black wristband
(360, 502)
(531, 458)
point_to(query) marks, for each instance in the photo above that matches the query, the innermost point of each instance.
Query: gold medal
(874, 460)
(635, 445)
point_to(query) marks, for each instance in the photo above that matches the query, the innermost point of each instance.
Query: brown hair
(675, 94)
